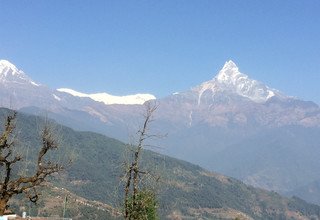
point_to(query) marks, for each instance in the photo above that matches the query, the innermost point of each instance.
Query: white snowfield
(137, 99)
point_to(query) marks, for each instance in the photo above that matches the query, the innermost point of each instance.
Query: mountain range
(231, 124)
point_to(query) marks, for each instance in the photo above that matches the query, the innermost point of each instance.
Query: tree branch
(24, 184)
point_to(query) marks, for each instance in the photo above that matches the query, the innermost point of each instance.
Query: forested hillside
(183, 190)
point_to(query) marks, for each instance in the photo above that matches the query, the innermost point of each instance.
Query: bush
(145, 206)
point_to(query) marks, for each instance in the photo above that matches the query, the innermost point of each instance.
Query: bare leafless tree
(12, 184)
(132, 201)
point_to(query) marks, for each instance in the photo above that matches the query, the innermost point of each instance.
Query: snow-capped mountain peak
(8, 65)
(9, 73)
(229, 65)
(230, 79)
(229, 73)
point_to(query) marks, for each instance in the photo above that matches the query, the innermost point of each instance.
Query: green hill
(185, 191)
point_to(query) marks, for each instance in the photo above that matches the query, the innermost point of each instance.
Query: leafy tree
(14, 183)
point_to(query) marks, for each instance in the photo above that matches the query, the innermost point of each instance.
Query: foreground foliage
(145, 207)
(12, 180)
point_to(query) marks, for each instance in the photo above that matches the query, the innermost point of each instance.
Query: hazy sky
(160, 47)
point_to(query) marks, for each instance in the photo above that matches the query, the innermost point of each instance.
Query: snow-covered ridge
(110, 99)
(10, 73)
(232, 80)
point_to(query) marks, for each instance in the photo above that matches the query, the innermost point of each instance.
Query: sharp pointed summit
(231, 80)
(229, 73)
(229, 65)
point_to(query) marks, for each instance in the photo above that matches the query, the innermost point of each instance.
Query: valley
(93, 186)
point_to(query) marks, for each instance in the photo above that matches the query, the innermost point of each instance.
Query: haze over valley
(231, 124)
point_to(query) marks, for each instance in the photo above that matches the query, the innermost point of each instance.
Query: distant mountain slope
(280, 159)
(309, 191)
(225, 124)
(184, 191)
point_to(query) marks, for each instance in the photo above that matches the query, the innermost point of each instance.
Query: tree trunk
(3, 205)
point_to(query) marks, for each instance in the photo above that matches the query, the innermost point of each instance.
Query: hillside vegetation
(184, 190)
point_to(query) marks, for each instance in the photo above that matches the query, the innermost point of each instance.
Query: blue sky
(160, 47)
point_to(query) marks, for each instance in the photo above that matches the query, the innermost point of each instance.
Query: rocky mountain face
(231, 124)
(231, 98)
(244, 129)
